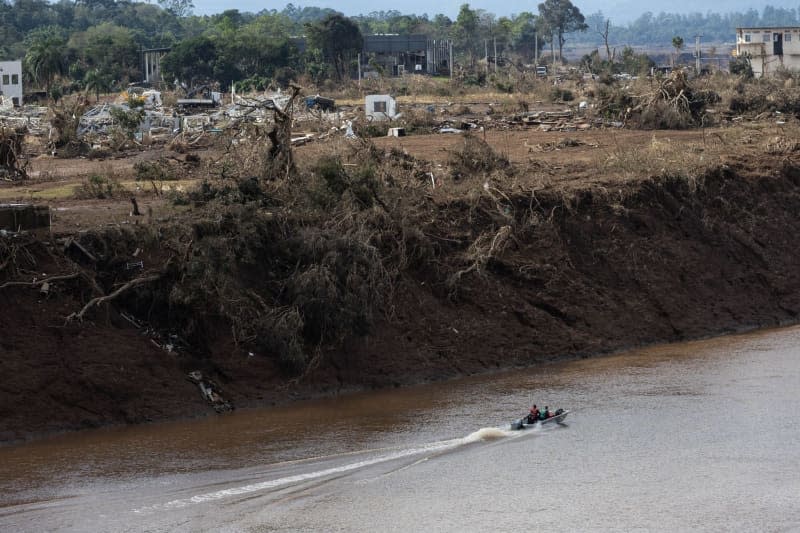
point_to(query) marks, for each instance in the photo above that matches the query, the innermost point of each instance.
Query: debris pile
(210, 391)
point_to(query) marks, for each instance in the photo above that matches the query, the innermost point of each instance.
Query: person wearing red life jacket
(534, 414)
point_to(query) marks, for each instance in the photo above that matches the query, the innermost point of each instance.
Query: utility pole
(697, 53)
(451, 58)
(486, 54)
(536, 47)
(494, 40)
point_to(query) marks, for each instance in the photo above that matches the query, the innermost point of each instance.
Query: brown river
(703, 436)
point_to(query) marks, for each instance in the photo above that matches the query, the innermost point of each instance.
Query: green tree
(44, 59)
(27, 15)
(634, 63)
(464, 31)
(96, 81)
(338, 39)
(190, 60)
(741, 66)
(178, 8)
(560, 17)
(524, 35)
(677, 44)
(110, 48)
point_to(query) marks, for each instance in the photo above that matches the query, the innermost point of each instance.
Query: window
(379, 107)
(767, 38)
(747, 37)
(15, 79)
(787, 37)
(6, 80)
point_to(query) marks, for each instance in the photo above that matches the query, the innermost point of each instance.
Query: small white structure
(769, 48)
(380, 107)
(11, 81)
(152, 99)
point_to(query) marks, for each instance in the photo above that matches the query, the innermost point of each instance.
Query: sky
(619, 11)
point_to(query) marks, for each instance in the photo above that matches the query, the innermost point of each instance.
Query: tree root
(103, 299)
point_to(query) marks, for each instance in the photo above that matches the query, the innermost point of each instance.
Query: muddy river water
(690, 437)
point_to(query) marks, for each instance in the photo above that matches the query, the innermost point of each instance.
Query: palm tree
(45, 59)
(95, 81)
(677, 44)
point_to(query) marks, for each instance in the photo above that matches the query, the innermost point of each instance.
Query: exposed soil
(574, 257)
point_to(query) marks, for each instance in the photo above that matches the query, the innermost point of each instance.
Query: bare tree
(604, 35)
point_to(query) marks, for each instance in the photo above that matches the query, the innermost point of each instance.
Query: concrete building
(769, 48)
(11, 81)
(379, 107)
(406, 54)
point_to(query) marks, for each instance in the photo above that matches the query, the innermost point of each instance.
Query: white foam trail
(486, 434)
(482, 434)
(274, 483)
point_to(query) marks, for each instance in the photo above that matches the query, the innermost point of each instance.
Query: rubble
(320, 117)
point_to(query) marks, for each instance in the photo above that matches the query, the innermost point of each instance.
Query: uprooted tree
(12, 162)
(279, 159)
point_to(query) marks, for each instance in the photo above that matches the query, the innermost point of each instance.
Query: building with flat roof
(769, 48)
(407, 54)
(11, 81)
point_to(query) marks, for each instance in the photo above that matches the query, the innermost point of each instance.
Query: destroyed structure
(151, 64)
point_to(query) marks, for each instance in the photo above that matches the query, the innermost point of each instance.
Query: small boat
(523, 423)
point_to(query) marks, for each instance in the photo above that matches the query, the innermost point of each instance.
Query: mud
(588, 265)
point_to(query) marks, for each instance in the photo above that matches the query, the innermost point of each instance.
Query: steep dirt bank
(274, 308)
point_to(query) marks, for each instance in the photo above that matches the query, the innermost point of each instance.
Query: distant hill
(619, 11)
(623, 11)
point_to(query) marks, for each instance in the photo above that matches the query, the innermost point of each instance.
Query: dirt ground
(578, 157)
(620, 238)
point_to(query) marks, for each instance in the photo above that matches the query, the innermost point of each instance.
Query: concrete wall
(11, 80)
(380, 107)
(761, 45)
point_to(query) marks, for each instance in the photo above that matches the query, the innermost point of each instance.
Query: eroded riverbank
(412, 287)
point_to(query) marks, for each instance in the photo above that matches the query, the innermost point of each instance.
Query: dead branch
(480, 253)
(39, 282)
(103, 299)
(280, 153)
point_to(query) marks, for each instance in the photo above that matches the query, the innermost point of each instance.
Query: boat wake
(385, 455)
(484, 434)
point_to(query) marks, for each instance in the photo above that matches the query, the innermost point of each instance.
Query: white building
(769, 48)
(380, 107)
(11, 81)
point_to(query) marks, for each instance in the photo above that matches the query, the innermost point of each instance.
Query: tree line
(658, 29)
(95, 44)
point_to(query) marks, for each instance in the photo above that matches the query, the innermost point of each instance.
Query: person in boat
(534, 414)
(544, 415)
